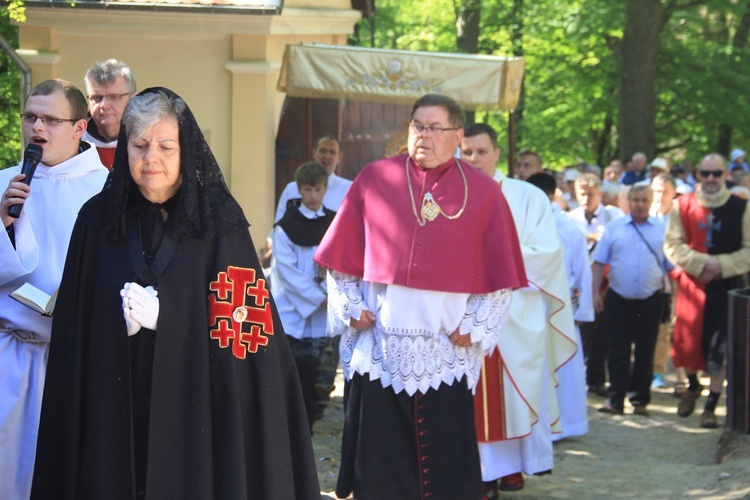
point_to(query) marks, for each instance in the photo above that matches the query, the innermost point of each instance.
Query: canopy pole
(511, 143)
(308, 128)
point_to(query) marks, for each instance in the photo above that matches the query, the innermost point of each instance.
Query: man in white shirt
(327, 152)
(591, 217)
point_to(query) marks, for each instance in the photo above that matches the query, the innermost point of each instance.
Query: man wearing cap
(658, 166)
(569, 176)
(708, 237)
(737, 157)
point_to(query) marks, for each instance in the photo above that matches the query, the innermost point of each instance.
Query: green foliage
(571, 99)
(10, 97)
(426, 26)
(702, 81)
(16, 10)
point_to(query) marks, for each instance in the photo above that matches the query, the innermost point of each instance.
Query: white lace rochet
(408, 348)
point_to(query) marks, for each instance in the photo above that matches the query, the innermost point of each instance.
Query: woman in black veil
(169, 373)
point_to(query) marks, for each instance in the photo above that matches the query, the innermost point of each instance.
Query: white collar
(309, 213)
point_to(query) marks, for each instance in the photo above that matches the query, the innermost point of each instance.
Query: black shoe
(612, 410)
(708, 420)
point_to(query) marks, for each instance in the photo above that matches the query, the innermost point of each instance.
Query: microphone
(31, 158)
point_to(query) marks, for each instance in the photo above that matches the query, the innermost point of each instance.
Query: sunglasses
(710, 173)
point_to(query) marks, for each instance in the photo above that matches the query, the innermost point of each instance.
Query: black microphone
(31, 158)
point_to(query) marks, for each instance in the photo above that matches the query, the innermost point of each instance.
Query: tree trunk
(637, 77)
(604, 152)
(468, 14)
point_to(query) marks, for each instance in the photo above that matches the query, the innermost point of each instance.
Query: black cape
(225, 416)
(220, 427)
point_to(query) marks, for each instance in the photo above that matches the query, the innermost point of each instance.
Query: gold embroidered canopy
(398, 76)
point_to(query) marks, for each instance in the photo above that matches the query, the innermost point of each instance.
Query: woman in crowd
(169, 373)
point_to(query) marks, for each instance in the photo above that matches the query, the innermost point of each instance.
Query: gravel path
(629, 456)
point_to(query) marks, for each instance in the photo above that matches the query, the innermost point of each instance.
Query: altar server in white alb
(33, 250)
(298, 284)
(571, 393)
(515, 404)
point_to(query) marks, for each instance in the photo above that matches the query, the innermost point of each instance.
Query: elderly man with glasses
(33, 251)
(708, 237)
(109, 85)
(422, 256)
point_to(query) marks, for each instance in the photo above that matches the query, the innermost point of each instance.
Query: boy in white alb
(298, 286)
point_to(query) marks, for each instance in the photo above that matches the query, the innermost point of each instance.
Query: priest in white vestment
(571, 393)
(537, 339)
(33, 251)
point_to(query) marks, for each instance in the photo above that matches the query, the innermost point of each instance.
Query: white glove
(143, 304)
(132, 325)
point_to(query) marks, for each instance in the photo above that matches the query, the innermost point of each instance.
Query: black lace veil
(205, 207)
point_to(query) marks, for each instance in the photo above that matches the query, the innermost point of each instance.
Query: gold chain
(430, 209)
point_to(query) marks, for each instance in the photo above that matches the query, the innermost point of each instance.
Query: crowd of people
(470, 311)
(695, 254)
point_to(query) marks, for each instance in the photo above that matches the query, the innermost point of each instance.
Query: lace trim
(411, 359)
(345, 301)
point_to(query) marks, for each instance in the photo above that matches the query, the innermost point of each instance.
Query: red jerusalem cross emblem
(231, 319)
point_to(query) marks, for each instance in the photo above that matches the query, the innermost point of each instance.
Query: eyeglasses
(113, 98)
(710, 173)
(431, 131)
(47, 121)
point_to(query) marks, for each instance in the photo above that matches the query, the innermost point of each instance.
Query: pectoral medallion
(430, 208)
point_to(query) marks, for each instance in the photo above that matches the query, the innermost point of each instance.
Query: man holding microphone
(33, 251)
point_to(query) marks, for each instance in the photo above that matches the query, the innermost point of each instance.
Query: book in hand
(33, 298)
